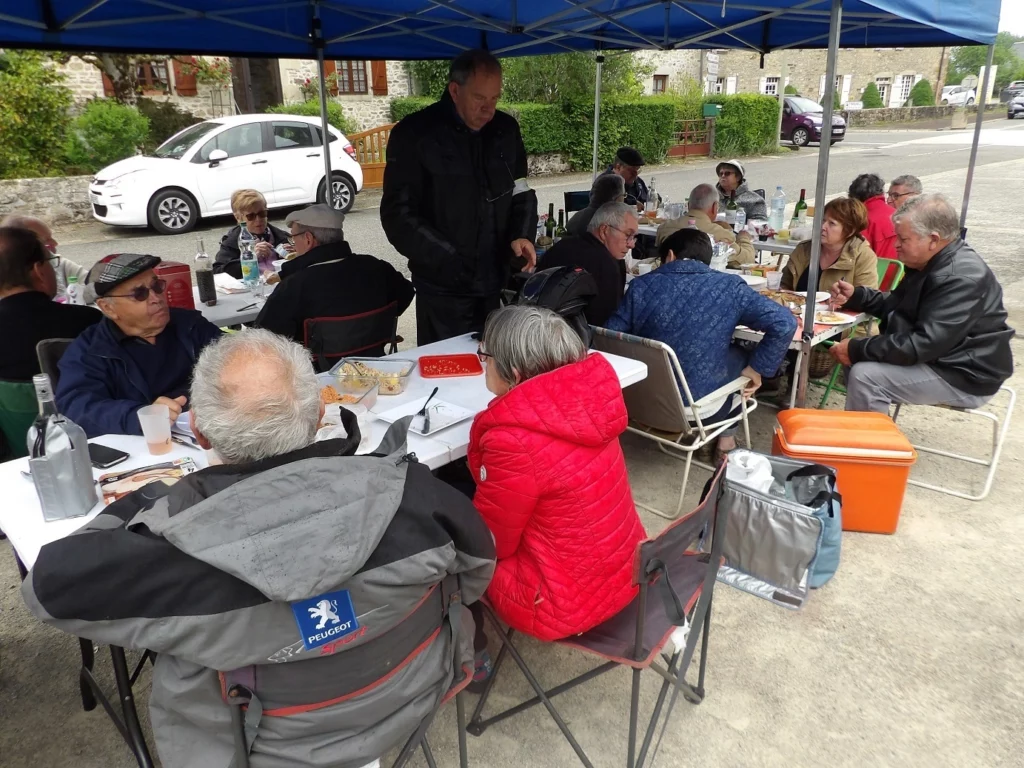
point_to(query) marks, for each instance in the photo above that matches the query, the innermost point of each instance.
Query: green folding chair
(18, 410)
(890, 274)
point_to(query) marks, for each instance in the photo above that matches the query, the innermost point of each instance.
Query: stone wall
(677, 67)
(56, 201)
(861, 117)
(547, 163)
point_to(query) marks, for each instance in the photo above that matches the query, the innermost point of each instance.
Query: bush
(404, 106)
(836, 103)
(871, 98)
(748, 124)
(429, 78)
(543, 126)
(104, 133)
(311, 108)
(34, 117)
(791, 91)
(921, 95)
(165, 120)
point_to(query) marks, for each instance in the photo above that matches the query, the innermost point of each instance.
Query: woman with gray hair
(551, 480)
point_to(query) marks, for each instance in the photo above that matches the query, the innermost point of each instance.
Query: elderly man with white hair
(319, 588)
(610, 235)
(944, 338)
(703, 209)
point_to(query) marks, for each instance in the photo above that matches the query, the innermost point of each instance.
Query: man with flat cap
(628, 163)
(325, 279)
(141, 353)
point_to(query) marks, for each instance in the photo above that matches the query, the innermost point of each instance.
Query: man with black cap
(732, 185)
(325, 279)
(628, 163)
(141, 353)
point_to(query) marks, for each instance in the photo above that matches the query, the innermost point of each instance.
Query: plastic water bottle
(249, 263)
(777, 218)
(75, 293)
(741, 220)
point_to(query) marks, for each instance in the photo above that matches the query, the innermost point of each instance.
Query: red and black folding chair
(675, 573)
(367, 334)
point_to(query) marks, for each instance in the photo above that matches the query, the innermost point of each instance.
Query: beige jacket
(857, 265)
(743, 245)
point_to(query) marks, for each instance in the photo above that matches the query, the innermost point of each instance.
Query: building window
(719, 86)
(660, 83)
(906, 84)
(884, 85)
(152, 76)
(351, 76)
(771, 86)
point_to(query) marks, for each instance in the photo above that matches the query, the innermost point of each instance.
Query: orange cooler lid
(843, 433)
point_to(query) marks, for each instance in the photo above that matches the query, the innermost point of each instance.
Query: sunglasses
(482, 355)
(253, 215)
(140, 292)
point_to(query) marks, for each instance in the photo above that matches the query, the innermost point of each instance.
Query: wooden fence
(371, 153)
(693, 138)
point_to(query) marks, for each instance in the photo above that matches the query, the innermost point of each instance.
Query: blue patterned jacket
(695, 310)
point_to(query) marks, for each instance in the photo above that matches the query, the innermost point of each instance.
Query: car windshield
(802, 106)
(176, 146)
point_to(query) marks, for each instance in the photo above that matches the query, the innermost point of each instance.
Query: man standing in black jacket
(456, 201)
(944, 337)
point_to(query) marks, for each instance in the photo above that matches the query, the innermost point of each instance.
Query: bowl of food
(390, 374)
(347, 392)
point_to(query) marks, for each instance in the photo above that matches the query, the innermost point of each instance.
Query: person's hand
(523, 248)
(744, 236)
(288, 247)
(753, 385)
(841, 352)
(264, 250)
(841, 293)
(174, 406)
(271, 278)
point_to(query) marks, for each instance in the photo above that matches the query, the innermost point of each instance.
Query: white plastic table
(231, 308)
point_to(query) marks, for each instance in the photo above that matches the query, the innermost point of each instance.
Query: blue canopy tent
(440, 29)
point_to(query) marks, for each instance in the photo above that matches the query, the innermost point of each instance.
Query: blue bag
(816, 488)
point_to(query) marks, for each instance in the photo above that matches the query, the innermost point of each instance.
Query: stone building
(671, 69)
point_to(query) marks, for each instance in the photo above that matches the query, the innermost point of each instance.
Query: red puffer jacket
(552, 486)
(881, 233)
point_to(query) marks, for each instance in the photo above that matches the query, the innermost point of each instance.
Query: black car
(1015, 106)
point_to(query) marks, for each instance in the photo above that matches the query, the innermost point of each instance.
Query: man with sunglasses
(141, 353)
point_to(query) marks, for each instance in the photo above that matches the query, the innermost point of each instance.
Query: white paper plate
(817, 319)
(442, 414)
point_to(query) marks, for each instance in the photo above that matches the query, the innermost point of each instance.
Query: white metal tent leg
(597, 108)
(318, 41)
(980, 102)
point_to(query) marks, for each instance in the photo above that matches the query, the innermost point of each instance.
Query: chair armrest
(736, 385)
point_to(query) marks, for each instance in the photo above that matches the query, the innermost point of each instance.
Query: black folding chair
(576, 201)
(49, 352)
(676, 581)
(367, 334)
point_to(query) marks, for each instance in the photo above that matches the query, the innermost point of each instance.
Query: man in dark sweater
(28, 313)
(326, 279)
(600, 251)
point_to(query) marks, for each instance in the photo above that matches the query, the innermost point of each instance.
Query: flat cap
(629, 156)
(319, 215)
(110, 271)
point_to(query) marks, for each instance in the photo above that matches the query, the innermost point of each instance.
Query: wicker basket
(821, 363)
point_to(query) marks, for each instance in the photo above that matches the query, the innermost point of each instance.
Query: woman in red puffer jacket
(551, 479)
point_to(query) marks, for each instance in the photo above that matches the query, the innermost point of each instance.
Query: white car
(957, 96)
(194, 172)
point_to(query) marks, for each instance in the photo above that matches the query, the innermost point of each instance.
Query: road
(889, 153)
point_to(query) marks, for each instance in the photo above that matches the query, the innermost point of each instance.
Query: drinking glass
(156, 428)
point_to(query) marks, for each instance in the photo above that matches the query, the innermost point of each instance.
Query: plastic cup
(774, 279)
(156, 428)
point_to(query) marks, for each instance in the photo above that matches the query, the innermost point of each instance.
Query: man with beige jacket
(703, 209)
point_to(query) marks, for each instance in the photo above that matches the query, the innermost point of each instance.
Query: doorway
(256, 84)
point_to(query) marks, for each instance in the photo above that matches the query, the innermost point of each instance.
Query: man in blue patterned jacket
(694, 309)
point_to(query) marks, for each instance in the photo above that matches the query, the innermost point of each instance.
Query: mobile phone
(103, 457)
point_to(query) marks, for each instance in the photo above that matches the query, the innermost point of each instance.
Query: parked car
(1015, 106)
(802, 119)
(194, 172)
(957, 96)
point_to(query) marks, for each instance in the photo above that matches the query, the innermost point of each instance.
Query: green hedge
(921, 95)
(748, 124)
(104, 133)
(404, 106)
(871, 98)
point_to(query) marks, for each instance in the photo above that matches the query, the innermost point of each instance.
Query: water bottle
(249, 262)
(777, 218)
(204, 275)
(59, 459)
(75, 293)
(741, 220)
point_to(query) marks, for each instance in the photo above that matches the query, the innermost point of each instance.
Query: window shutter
(847, 81)
(330, 68)
(184, 79)
(379, 78)
(762, 85)
(108, 86)
(730, 85)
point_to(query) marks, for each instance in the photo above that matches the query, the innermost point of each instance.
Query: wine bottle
(800, 209)
(560, 230)
(549, 225)
(730, 210)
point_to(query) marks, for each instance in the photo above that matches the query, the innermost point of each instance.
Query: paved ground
(910, 657)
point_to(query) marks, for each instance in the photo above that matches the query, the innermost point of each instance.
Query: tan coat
(857, 265)
(743, 245)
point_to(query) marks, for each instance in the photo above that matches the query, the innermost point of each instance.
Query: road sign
(971, 81)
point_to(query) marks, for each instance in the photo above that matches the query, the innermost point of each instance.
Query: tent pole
(597, 107)
(977, 137)
(813, 268)
(318, 41)
(782, 95)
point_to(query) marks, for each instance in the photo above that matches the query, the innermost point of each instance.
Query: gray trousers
(875, 386)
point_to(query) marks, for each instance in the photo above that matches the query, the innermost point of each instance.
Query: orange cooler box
(871, 455)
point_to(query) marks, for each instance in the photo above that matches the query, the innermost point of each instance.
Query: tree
(871, 98)
(566, 76)
(968, 60)
(104, 133)
(34, 119)
(836, 103)
(791, 91)
(122, 70)
(429, 78)
(921, 95)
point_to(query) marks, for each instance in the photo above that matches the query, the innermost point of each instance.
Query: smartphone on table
(103, 456)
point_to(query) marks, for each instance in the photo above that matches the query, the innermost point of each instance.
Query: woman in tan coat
(845, 255)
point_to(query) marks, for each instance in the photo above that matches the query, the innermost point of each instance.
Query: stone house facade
(671, 69)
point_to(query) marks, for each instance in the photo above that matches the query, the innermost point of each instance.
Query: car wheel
(945, 102)
(969, 102)
(801, 137)
(173, 212)
(343, 193)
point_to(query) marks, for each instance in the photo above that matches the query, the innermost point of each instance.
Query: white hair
(930, 213)
(703, 197)
(530, 340)
(612, 214)
(268, 407)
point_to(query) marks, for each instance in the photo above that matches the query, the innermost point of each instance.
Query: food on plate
(390, 383)
(330, 395)
(651, 220)
(785, 297)
(830, 317)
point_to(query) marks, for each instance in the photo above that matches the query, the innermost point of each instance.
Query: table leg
(135, 737)
(794, 385)
(88, 659)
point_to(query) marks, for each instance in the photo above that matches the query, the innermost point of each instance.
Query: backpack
(565, 290)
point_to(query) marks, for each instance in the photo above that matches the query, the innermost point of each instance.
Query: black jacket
(589, 253)
(228, 256)
(29, 317)
(636, 192)
(331, 281)
(948, 315)
(451, 202)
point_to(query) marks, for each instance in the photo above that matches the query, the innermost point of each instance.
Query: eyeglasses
(253, 215)
(140, 292)
(482, 355)
(898, 195)
(630, 237)
(291, 238)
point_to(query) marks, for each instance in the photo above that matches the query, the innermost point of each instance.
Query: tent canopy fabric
(440, 29)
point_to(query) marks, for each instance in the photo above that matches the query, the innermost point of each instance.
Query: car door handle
(258, 162)
(314, 154)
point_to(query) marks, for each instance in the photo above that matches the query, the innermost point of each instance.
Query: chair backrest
(576, 201)
(760, 193)
(662, 400)
(890, 274)
(366, 334)
(18, 410)
(49, 352)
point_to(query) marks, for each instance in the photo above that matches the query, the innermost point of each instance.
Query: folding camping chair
(664, 411)
(576, 201)
(370, 334)
(675, 582)
(49, 352)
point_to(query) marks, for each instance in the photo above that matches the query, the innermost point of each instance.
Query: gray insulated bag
(780, 544)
